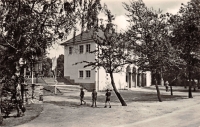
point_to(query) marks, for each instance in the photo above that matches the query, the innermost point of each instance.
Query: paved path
(188, 117)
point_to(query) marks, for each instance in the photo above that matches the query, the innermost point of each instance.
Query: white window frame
(87, 73)
(70, 50)
(80, 49)
(88, 47)
(79, 74)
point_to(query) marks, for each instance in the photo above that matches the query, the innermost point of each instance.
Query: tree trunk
(158, 91)
(1, 117)
(190, 87)
(198, 84)
(171, 90)
(161, 78)
(190, 92)
(116, 91)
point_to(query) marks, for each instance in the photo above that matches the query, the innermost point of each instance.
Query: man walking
(94, 98)
(82, 96)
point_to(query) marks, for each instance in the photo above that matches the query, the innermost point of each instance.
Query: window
(88, 48)
(70, 50)
(88, 75)
(80, 74)
(81, 49)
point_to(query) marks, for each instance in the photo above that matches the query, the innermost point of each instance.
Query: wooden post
(56, 82)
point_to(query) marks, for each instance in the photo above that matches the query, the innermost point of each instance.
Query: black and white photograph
(100, 63)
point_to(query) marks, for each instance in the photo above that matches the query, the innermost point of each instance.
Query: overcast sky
(171, 6)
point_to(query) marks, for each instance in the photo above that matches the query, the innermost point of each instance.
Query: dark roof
(86, 36)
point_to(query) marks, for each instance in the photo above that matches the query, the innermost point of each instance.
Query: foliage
(46, 66)
(28, 27)
(185, 37)
(148, 37)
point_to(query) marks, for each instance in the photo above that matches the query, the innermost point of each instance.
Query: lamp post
(38, 69)
(33, 58)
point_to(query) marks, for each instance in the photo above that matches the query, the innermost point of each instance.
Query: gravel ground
(64, 110)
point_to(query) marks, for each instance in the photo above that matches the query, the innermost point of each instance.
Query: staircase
(69, 88)
(67, 80)
(49, 81)
(63, 85)
(35, 81)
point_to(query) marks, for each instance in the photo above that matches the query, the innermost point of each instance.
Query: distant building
(78, 49)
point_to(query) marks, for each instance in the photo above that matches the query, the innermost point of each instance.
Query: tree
(111, 53)
(46, 66)
(27, 30)
(60, 66)
(27, 27)
(185, 36)
(149, 38)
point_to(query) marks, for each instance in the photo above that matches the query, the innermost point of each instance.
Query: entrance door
(139, 80)
(143, 79)
(134, 77)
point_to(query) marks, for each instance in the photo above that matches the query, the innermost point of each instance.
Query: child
(94, 98)
(82, 96)
(166, 85)
(108, 94)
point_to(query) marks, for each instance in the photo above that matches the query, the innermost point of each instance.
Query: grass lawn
(136, 96)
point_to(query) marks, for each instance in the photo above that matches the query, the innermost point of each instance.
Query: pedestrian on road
(82, 96)
(94, 98)
(167, 86)
(108, 94)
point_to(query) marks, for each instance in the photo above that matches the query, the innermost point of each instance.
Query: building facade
(79, 49)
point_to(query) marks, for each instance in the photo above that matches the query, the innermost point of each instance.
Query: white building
(78, 49)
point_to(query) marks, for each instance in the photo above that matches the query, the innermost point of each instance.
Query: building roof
(85, 37)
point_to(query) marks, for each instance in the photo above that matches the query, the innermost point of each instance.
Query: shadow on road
(67, 103)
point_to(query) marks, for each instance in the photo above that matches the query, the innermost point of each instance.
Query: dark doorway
(129, 81)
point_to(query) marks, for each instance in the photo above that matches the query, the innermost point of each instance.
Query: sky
(115, 6)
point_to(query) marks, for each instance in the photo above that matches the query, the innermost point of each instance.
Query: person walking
(94, 98)
(82, 96)
(167, 86)
(108, 94)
